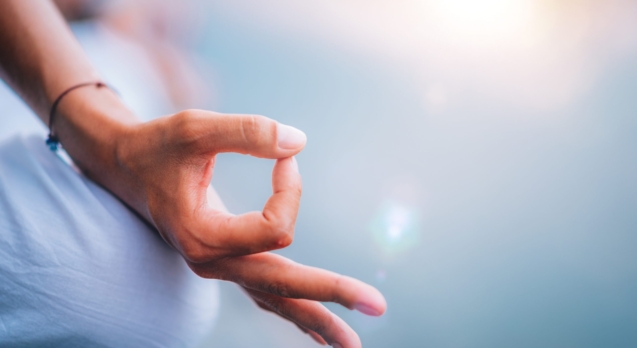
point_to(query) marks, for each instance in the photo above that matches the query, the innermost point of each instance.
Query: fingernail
(289, 138)
(295, 164)
(363, 308)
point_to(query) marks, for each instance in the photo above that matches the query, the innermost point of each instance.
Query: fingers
(312, 316)
(282, 207)
(221, 234)
(276, 275)
(255, 135)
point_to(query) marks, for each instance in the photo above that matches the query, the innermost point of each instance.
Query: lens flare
(396, 228)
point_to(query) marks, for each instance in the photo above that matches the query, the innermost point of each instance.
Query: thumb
(255, 135)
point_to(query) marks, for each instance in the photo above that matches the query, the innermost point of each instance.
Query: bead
(53, 143)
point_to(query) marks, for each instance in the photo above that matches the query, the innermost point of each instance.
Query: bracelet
(53, 142)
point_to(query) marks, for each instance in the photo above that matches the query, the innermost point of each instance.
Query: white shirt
(78, 268)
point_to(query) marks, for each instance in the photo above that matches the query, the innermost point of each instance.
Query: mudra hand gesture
(169, 163)
(162, 169)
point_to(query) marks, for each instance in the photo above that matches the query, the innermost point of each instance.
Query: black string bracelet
(52, 141)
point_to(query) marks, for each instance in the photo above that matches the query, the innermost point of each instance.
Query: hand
(168, 166)
(162, 169)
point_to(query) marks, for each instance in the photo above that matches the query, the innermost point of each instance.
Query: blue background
(524, 220)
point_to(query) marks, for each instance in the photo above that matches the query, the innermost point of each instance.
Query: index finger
(220, 234)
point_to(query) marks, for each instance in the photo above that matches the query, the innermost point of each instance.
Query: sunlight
(484, 22)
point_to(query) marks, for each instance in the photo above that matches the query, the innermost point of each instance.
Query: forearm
(40, 59)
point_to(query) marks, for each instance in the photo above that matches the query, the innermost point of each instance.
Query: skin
(162, 170)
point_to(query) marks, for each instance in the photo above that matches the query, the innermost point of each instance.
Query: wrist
(90, 122)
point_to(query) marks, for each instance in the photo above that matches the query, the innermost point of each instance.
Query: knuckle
(254, 129)
(279, 288)
(185, 126)
(337, 284)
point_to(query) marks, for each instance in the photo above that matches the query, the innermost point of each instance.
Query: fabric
(78, 268)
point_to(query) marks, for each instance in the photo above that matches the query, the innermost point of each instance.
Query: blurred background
(474, 160)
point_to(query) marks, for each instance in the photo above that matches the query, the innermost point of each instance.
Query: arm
(40, 59)
(162, 170)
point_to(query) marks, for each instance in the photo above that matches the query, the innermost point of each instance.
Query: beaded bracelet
(53, 141)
